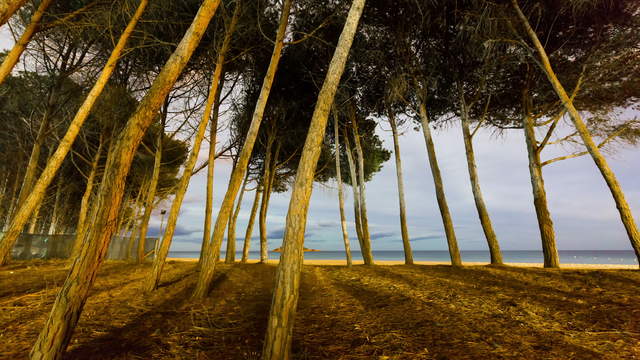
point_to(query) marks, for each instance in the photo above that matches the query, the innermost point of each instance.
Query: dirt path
(380, 312)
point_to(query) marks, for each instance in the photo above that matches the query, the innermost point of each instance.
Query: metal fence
(44, 246)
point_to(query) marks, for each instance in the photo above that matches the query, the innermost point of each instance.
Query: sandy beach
(393, 262)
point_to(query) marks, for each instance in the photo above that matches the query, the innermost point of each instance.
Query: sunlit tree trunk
(14, 55)
(150, 195)
(34, 219)
(249, 231)
(208, 267)
(208, 209)
(545, 224)
(483, 213)
(277, 344)
(66, 310)
(35, 196)
(343, 219)
(454, 253)
(612, 182)
(8, 8)
(153, 280)
(408, 254)
(230, 256)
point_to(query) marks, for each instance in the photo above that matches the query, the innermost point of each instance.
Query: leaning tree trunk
(153, 280)
(483, 213)
(230, 256)
(266, 178)
(277, 344)
(249, 232)
(55, 213)
(612, 182)
(545, 224)
(26, 207)
(343, 219)
(208, 267)
(408, 254)
(8, 8)
(150, 197)
(208, 209)
(437, 181)
(14, 55)
(364, 218)
(365, 250)
(66, 310)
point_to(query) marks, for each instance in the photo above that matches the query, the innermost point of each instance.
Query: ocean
(627, 257)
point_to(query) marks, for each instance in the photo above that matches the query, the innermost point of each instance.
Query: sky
(583, 211)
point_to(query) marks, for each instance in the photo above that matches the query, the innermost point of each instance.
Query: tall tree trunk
(609, 177)
(408, 254)
(343, 219)
(483, 213)
(153, 280)
(208, 210)
(34, 219)
(437, 181)
(26, 207)
(277, 344)
(230, 256)
(66, 310)
(364, 218)
(84, 202)
(13, 199)
(14, 55)
(151, 195)
(208, 267)
(266, 177)
(364, 249)
(545, 224)
(55, 213)
(252, 220)
(8, 8)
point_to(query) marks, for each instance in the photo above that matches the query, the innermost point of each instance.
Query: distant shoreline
(395, 262)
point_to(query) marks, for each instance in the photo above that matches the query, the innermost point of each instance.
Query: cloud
(381, 235)
(423, 238)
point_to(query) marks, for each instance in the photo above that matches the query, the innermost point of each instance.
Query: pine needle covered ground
(381, 312)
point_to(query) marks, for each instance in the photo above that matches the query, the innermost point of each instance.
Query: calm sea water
(514, 256)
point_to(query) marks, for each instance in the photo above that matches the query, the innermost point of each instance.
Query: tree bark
(266, 177)
(365, 251)
(454, 253)
(612, 182)
(8, 8)
(277, 343)
(153, 280)
(483, 213)
(343, 219)
(545, 224)
(364, 218)
(230, 256)
(55, 213)
(66, 310)
(150, 197)
(252, 219)
(408, 254)
(27, 207)
(208, 210)
(208, 267)
(14, 55)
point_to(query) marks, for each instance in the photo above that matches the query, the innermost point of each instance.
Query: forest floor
(366, 312)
